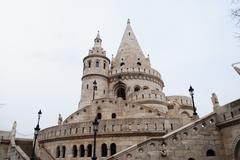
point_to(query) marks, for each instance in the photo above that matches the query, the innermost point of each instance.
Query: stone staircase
(189, 141)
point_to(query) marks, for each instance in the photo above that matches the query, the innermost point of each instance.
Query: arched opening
(58, 152)
(120, 90)
(74, 151)
(237, 151)
(113, 149)
(104, 65)
(89, 150)
(210, 153)
(121, 93)
(97, 63)
(89, 64)
(104, 150)
(99, 116)
(136, 88)
(138, 63)
(63, 151)
(122, 64)
(82, 151)
(145, 87)
(191, 159)
(114, 115)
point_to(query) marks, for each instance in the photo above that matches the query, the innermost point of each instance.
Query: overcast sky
(42, 44)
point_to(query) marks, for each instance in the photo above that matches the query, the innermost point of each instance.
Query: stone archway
(120, 90)
(237, 151)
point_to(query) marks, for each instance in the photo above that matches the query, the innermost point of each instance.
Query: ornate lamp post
(95, 124)
(36, 131)
(94, 88)
(191, 91)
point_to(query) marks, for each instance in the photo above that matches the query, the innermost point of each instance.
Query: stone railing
(111, 127)
(229, 112)
(161, 147)
(181, 100)
(148, 71)
(148, 95)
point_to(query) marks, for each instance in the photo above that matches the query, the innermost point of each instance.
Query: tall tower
(95, 68)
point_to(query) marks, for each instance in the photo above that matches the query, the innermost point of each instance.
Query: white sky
(42, 44)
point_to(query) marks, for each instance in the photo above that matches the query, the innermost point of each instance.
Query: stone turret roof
(129, 51)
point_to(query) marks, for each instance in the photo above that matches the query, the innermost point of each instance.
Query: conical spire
(97, 40)
(129, 50)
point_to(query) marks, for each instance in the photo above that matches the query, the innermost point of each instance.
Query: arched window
(97, 63)
(99, 116)
(104, 65)
(113, 148)
(114, 115)
(89, 64)
(136, 88)
(145, 87)
(58, 152)
(89, 150)
(87, 86)
(74, 151)
(237, 151)
(121, 93)
(191, 159)
(63, 151)
(138, 63)
(104, 150)
(122, 64)
(82, 151)
(210, 153)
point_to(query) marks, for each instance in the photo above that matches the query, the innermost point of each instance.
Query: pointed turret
(97, 48)
(98, 41)
(95, 69)
(129, 53)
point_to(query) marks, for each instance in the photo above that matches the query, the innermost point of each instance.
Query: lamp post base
(94, 158)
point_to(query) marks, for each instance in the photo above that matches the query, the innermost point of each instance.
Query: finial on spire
(128, 21)
(98, 35)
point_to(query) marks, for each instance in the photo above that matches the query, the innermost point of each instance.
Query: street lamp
(191, 91)
(94, 88)
(36, 131)
(95, 124)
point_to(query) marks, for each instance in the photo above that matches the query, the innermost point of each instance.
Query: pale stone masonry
(137, 120)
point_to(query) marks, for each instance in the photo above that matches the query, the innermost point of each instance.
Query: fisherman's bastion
(136, 120)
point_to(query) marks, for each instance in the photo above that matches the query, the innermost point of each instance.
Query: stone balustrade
(148, 95)
(111, 127)
(181, 100)
(228, 112)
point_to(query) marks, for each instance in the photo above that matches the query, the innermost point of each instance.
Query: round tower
(95, 68)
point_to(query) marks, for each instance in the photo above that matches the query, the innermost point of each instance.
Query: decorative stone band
(111, 127)
(96, 55)
(136, 75)
(148, 71)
